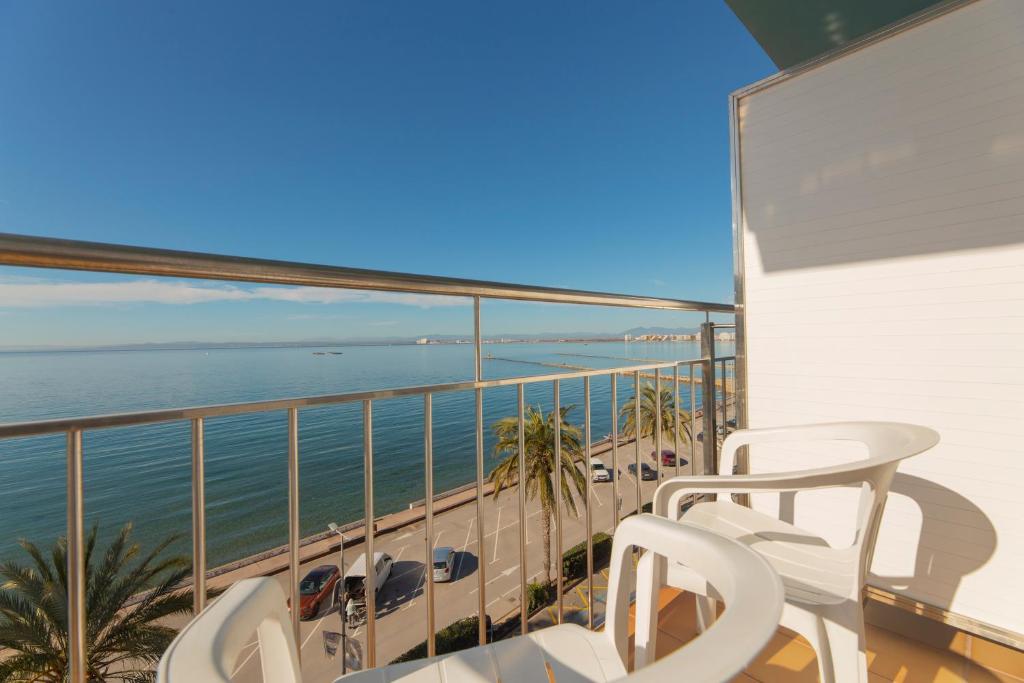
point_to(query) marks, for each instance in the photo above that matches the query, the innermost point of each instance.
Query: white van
(598, 472)
(355, 577)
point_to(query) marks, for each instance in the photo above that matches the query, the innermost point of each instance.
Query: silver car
(444, 563)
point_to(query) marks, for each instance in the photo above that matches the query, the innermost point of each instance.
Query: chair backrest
(887, 443)
(750, 588)
(207, 649)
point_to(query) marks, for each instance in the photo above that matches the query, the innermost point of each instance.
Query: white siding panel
(883, 239)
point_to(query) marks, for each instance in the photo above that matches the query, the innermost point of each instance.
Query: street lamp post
(341, 609)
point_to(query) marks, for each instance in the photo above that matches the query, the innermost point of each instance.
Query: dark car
(646, 471)
(668, 456)
(316, 587)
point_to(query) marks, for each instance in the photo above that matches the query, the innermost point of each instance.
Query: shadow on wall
(936, 573)
(979, 210)
(885, 154)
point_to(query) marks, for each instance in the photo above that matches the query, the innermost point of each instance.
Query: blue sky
(576, 144)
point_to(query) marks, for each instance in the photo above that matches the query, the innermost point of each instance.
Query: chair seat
(812, 571)
(572, 655)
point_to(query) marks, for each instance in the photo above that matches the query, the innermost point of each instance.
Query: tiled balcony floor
(891, 657)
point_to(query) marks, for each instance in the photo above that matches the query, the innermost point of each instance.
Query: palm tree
(671, 419)
(539, 439)
(128, 594)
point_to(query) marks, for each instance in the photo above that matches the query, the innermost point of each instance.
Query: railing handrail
(45, 252)
(126, 419)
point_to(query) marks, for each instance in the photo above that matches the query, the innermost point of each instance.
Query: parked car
(444, 563)
(668, 456)
(598, 472)
(315, 588)
(646, 471)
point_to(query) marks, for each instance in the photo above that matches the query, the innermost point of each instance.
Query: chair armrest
(671, 491)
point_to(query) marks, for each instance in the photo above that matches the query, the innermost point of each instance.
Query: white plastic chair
(206, 650)
(824, 585)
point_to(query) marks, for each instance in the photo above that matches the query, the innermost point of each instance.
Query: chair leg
(650, 574)
(707, 612)
(848, 648)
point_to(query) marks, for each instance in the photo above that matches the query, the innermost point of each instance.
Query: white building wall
(883, 263)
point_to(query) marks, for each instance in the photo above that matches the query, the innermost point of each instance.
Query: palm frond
(128, 594)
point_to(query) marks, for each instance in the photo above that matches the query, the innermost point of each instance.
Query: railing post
(524, 608)
(428, 512)
(589, 503)
(76, 560)
(708, 390)
(636, 439)
(615, 451)
(693, 422)
(478, 365)
(198, 518)
(370, 582)
(725, 396)
(676, 427)
(558, 497)
(294, 533)
(481, 565)
(657, 425)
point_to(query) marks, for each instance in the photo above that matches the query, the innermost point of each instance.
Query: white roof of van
(358, 567)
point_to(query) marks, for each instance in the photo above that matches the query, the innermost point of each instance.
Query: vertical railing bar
(693, 420)
(709, 403)
(636, 438)
(76, 559)
(521, 490)
(481, 570)
(676, 427)
(428, 507)
(589, 505)
(478, 363)
(657, 425)
(615, 452)
(370, 582)
(725, 399)
(198, 517)
(294, 534)
(558, 495)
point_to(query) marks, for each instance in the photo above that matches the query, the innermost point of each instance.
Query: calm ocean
(142, 474)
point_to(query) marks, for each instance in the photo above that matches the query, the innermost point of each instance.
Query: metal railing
(40, 252)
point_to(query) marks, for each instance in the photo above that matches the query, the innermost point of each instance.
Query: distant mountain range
(355, 341)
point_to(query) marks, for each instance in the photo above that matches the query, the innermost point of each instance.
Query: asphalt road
(401, 604)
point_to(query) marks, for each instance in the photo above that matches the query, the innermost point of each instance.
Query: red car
(668, 457)
(317, 586)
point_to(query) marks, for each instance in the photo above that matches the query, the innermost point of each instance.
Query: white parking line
(246, 660)
(462, 551)
(313, 632)
(497, 528)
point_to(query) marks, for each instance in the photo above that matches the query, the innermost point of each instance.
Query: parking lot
(401, 607)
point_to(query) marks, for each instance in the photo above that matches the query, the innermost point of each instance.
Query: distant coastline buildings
(659, 337)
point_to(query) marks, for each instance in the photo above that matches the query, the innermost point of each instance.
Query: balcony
(482, 594)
